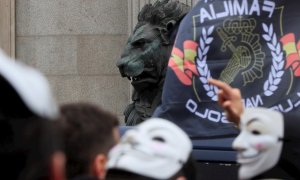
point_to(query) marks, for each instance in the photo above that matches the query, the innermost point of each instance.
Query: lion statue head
(146, 54)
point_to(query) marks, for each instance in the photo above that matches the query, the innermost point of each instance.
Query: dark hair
(26, 147)
(87, 131)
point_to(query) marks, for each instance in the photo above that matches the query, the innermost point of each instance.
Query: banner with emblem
(253, 45)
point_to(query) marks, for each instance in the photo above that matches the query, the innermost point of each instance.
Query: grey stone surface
(99, 54)
(110, 92)
(53, 55)
(72, 55)
(65, 88)
(121, 120)
(76, 43)
(53, 17)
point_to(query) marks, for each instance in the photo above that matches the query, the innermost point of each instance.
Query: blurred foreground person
(155, 149)
(268, 139)
(89, 132)
(29, 145)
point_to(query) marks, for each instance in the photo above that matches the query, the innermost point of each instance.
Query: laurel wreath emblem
(274, 78)
(277, 68)
(204, 42)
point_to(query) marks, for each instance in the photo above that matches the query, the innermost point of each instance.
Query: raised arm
(230, 99)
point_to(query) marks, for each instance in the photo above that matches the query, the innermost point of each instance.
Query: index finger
(221, 85)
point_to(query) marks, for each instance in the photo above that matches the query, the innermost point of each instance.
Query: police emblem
(258, 58)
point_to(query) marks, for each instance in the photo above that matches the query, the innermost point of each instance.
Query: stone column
(7, 26)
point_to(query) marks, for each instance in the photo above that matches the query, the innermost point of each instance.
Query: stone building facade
(76, 44)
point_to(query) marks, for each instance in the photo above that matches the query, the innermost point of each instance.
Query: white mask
(259, 143)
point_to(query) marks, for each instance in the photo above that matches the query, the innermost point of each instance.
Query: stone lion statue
(146, 54)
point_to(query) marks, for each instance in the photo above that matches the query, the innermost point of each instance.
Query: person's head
(30, 149)
(155, 149)
(89, 132)
(29, 145)
(259, 143)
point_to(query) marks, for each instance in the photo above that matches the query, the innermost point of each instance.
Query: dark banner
(251, 45)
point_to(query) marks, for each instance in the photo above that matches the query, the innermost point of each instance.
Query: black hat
(24, 91)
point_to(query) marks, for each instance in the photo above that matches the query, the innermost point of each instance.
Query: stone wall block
(99, 54)
(53, 17)
(108, 92)
(65, 88)
(53, 55)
